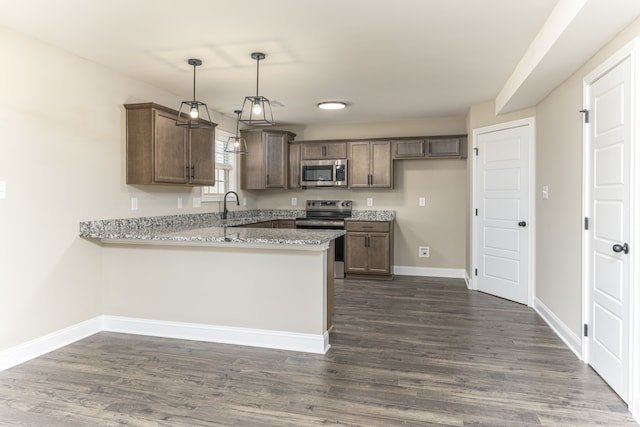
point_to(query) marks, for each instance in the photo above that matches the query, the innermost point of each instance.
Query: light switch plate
(545, 192)
(197, 202)
(134, 203)
(422, 201)
(179, 202)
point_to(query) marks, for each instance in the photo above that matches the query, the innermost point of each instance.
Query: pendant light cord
(194, 82)
(257, 75)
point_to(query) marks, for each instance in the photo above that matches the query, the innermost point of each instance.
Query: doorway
(503, 209)
(610, 206)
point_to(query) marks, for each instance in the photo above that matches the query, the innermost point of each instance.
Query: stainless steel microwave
(323, 173)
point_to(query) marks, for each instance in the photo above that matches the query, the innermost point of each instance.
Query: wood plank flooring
(410, 352)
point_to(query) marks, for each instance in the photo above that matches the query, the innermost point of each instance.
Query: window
(226, 170)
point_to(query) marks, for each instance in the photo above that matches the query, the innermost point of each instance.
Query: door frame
(530, 123)
(630, 50)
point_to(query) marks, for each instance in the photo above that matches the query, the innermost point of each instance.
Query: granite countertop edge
(209, 229)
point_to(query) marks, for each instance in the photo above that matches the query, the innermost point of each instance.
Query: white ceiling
(388, 60)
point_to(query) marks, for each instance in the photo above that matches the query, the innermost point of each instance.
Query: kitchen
(71, 135)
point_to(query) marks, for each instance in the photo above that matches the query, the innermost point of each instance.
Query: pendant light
(256, 110)
(194, 114)
(236, 144)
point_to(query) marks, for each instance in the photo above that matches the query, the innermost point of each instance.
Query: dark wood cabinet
(294, 165)
(266, 164)
(369, 249)
(409, 149)
(159, 152)
(324, 150)
(370, 164)
(450, 147)
(453, 147)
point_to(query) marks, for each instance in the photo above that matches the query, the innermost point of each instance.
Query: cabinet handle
(267, 179)
(324, 151)
(193, 171)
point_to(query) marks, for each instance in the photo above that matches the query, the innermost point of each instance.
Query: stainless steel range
(328, 215)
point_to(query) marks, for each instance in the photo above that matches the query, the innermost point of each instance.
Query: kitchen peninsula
(197, 277)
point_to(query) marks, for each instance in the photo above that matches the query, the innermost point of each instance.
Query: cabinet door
(378, 250)
(356, 253)
(276, 157)
(408, 149)
(201, 155)
(380, 165)
(443, 147)
(358, 165)
(169, 150)
(294, 165)
(335, 150)
(324, 150)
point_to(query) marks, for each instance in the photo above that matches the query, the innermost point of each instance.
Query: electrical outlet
(424, 252)
(134, 203)
(197, 202)
(422, 201)
(545, 192)
(369, 201)
(294, 201)
(179, 202)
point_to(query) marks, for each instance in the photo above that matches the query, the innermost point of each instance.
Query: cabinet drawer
(368, 226)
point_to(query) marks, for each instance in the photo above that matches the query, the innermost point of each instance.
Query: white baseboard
(308, 343)
(454, 273)
(570, 339)
(635, 410)
(37, 347)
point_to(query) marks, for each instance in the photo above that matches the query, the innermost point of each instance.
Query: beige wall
(559, 160)
(440, 224)
(62, 156)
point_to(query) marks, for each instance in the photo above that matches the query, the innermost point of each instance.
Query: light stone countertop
(209, 229)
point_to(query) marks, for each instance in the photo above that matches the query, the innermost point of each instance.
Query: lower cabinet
(369, 249)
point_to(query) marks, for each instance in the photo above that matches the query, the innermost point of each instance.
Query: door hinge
(586, 115)
(586, 330)
(476, 150)
(476, 272)
(586, 223)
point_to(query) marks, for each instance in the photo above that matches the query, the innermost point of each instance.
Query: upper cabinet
(370, 164)
(266, 164)
(324, 150)
(159, 152)
(431, 147)
(294, 165)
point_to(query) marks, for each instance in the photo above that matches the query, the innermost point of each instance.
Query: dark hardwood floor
(410, 352)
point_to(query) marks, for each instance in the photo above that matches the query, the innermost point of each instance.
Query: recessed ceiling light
(332, 105)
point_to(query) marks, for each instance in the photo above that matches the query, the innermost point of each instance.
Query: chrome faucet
(225, 211)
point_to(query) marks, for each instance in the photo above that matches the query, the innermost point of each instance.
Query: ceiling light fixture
(236, 144)
(256, 110)
(332, 105)
(194, 114)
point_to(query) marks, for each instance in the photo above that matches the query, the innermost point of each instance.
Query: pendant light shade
(194, 114)
(256, 110)
(236, 144)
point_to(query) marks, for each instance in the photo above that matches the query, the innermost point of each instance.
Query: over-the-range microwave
(323, 173)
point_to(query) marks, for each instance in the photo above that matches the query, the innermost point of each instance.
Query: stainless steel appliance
(328, 215)
(323, 173)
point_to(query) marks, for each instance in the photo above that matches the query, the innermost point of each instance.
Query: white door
(608, 235)
(503, 218)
